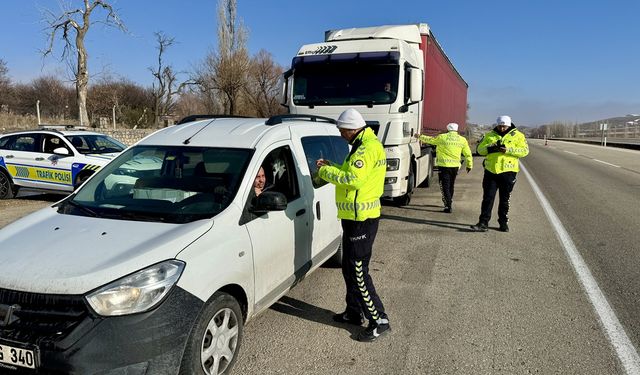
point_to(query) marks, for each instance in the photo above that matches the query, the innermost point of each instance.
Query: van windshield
(162, 183)
(347, 81)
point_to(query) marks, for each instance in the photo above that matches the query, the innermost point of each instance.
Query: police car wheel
(80, 180)
(7, 189)
(214, 343)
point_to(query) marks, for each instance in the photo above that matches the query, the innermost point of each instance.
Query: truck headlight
(393, 164)
(390, 180)
(138, 292)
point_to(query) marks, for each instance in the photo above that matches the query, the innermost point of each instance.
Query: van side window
(280, 172)
(332, 148)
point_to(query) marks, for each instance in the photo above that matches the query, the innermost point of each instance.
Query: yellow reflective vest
(359, 180)
(498, 162)
(449, 146)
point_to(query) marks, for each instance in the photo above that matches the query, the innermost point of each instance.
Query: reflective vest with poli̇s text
(449, 146)
(498, 162)
(359, 180)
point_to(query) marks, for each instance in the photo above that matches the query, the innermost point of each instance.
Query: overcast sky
(538, 61)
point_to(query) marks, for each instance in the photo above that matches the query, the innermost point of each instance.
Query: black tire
(196, 360)
(80, 179)
(411, 182)
(336, 260)
(7, 189)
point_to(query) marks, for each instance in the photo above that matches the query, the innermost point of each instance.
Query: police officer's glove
(468, 169)
(492, 149)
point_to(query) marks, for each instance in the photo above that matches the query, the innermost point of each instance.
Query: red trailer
(445, 92)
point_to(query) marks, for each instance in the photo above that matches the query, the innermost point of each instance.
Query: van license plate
(17, 356)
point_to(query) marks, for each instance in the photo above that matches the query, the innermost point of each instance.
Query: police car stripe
(35, 166)
(91, 167)
(22, 172)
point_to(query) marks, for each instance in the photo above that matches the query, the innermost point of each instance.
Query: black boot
(374, 330)
(348, 318)
(480, 227)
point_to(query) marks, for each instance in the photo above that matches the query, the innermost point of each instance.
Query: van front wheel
(214, 344)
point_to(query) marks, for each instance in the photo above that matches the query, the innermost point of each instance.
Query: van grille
(42, 319)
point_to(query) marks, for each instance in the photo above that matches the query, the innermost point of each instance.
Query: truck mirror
(285, 87)
(415, 85)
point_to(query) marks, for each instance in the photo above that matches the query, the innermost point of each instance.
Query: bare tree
(224, 71)
(5, 87)
(78, 21)
(129, 100)
(263, 88)
(164, 86)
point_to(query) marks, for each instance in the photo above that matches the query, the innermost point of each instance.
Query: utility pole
(114, 117)
(38, 110)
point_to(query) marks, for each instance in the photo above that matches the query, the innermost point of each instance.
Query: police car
(54, 158)
(154, 265)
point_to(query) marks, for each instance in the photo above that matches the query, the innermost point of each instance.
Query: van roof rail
(191, 118)
(275, 120)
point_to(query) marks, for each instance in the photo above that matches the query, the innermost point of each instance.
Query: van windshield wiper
(82, 208)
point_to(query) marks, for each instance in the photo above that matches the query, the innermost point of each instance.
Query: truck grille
(42, 319)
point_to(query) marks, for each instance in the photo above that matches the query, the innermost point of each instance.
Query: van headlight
(138, 292)
(393, 164)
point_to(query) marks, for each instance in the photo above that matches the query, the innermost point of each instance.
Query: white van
(156, 263)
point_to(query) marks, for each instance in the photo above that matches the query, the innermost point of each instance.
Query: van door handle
(318, 210)
(9, 157)
(301, 212)
(39, 159)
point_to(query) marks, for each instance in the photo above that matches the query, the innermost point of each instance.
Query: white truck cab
(397, 77)
(155, 264)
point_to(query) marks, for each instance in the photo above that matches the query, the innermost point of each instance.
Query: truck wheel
(7, 189)
(214, 343)
(411, 181)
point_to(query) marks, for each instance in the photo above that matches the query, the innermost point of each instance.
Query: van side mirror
(269, 201)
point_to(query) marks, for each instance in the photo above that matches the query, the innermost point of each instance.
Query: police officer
(449, 146)
(503, 147)
(359, 185)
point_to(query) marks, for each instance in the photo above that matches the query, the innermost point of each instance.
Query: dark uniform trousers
(357, 243)
(447, 177)
(502, 183)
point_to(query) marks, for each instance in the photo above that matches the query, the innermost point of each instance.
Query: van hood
(48, 252)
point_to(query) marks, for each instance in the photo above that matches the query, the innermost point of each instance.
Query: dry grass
(10, 122)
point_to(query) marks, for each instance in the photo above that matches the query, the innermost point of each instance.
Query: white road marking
(604, 162)
(569, 152)
(626, 352)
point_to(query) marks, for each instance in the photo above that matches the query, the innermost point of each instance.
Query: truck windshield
(345, 83)
(162, 183)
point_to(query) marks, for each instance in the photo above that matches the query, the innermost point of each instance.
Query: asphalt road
(472, 303)
(596, 194)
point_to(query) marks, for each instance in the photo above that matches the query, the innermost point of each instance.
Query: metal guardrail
(630, 143)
